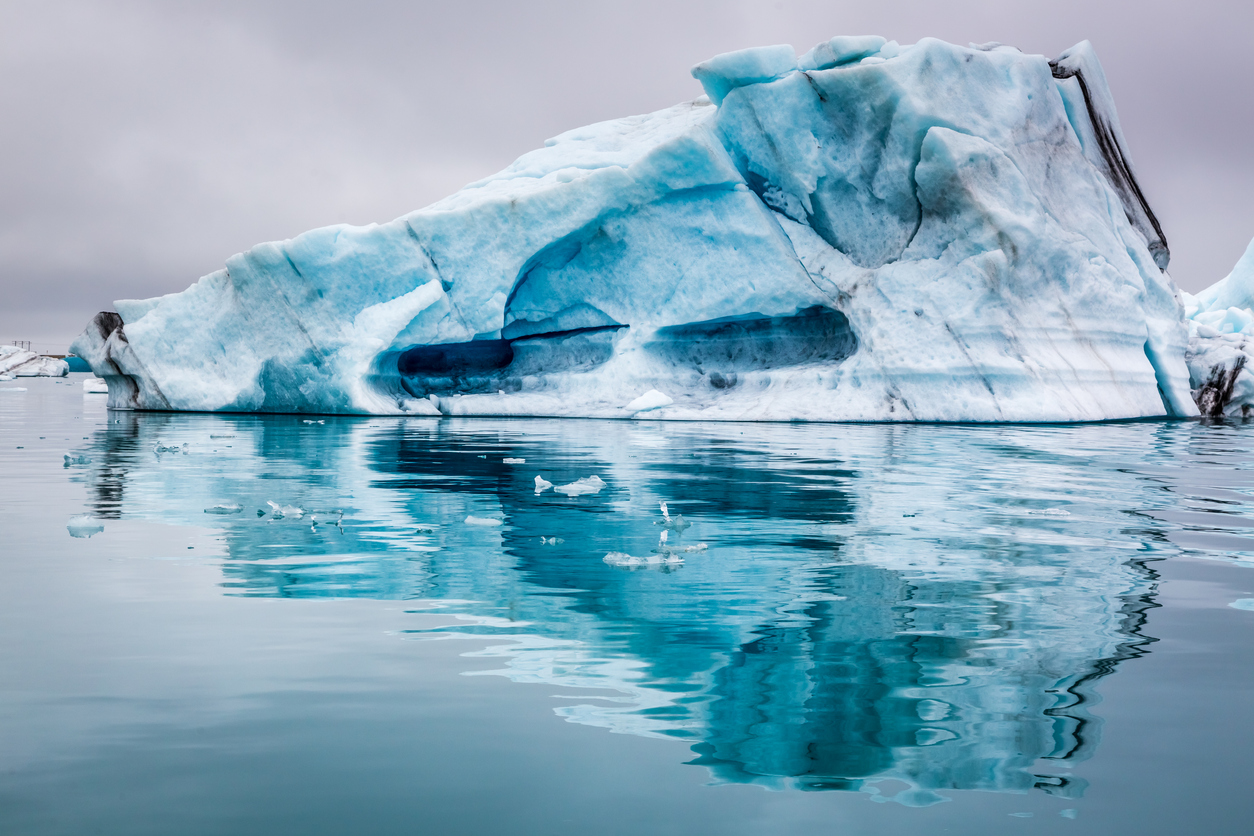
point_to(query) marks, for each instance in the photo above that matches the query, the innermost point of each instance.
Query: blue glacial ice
(866, 232)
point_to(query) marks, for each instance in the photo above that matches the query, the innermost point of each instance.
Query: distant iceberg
(18, 362)
(867, 232)
(1221, 342)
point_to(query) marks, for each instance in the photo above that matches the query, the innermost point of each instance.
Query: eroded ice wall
(867, 232)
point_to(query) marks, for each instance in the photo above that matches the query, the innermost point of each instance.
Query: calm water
(873, 629)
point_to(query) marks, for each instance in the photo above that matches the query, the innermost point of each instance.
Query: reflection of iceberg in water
(928, 604)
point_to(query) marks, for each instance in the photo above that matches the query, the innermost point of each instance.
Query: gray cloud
(145, 142)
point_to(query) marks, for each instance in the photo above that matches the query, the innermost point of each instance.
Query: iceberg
(579, 487)
(18, 362)
(867, 232)
(1221, 327)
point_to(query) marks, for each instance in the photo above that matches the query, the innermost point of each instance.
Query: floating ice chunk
(1243, 604)
(542, 484)
(95, 386)
(483, 521)
(1050, 512)
(551, 541)
(159, 449)
(655, 559)
(18, 362)
(514, 461)
(652, 399)
(749, 214)
(667, 552)
(281, 511)
(84, 526)
(73, 460)
(308, 421)
(676, 523)
(230, 508)
(588, 484)
(12, 388)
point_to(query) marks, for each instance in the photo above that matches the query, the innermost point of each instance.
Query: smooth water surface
(853, 629)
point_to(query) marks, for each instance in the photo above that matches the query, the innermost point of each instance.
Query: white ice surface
(868, 232)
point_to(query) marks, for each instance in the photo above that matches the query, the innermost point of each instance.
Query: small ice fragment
(588, 484)
(1050, 512)
(1243, 604)
(542, 484)
(281, 511)
(1069, 814)
(1022, 815)
(95, 386)
(514, 461)
(72, 460)
(84, 525)
(551, 541)
(675, 523)
(484, 521)
(12, 388)
(623, 559)
(652, 399)
(229, 508)
(482, 457)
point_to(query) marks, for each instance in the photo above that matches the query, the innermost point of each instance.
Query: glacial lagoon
(236, 624)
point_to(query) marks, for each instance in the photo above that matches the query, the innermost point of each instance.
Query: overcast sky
(143, 143)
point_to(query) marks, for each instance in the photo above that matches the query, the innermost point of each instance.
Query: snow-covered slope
(867, 232)
(18, 362)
